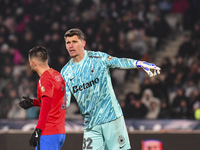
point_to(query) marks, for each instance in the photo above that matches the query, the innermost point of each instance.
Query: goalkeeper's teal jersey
(90, 83)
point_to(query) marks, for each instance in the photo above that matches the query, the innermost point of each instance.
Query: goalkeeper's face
(75, 46)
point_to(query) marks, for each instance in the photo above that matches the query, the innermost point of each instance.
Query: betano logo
(85, 85)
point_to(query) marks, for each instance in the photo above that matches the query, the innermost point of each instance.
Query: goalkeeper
(87, 77)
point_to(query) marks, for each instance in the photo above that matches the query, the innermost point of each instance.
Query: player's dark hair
(39, 52)
(73, 32)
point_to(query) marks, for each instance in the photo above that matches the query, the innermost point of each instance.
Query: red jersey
(52, 85)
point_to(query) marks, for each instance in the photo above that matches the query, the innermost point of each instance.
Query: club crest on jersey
(42, 89)
(121, 140)
(92, 71)
(109, 58)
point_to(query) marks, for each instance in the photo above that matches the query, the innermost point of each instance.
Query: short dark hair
(39, 52)
(73, 32)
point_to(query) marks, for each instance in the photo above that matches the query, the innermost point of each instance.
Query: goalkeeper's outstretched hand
(26, 102)
(151, 69)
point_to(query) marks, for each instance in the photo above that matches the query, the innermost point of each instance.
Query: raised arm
(127, 63)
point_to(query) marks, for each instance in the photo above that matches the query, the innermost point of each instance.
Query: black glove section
(35, 138)
(26, 102)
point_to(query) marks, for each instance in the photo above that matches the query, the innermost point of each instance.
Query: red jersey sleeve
(44, 112)
(47, 88)
(36, 102)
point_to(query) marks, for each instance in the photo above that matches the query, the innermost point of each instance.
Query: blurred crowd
(123, 28)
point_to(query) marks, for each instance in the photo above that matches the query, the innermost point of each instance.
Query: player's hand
(26, 102)
(151, 69)
(35, 138)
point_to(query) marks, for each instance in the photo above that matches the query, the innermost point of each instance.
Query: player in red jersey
(51, 98)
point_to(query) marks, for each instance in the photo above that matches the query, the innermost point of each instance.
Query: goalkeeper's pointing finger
(153, 66)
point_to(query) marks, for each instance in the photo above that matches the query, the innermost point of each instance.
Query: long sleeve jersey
(90, 82)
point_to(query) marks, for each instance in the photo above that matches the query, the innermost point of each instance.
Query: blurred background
(163, 32)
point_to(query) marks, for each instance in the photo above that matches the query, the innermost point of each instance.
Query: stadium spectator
(159, 90)
(180, 6)
(195, 35)
(5, 105)
(129, 105)
(164, 111)
(139, 110)
(138, 47)
(152, 103)
(147, 84)
(189, 88)
(16, 112)
(194, 102)
(170, 78)
(186, 49)
(179, 106)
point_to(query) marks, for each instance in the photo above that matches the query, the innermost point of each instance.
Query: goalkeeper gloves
(35, 138)
(26, 102)
(147, 67)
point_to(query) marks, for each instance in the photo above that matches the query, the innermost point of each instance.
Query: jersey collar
(80, 62)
